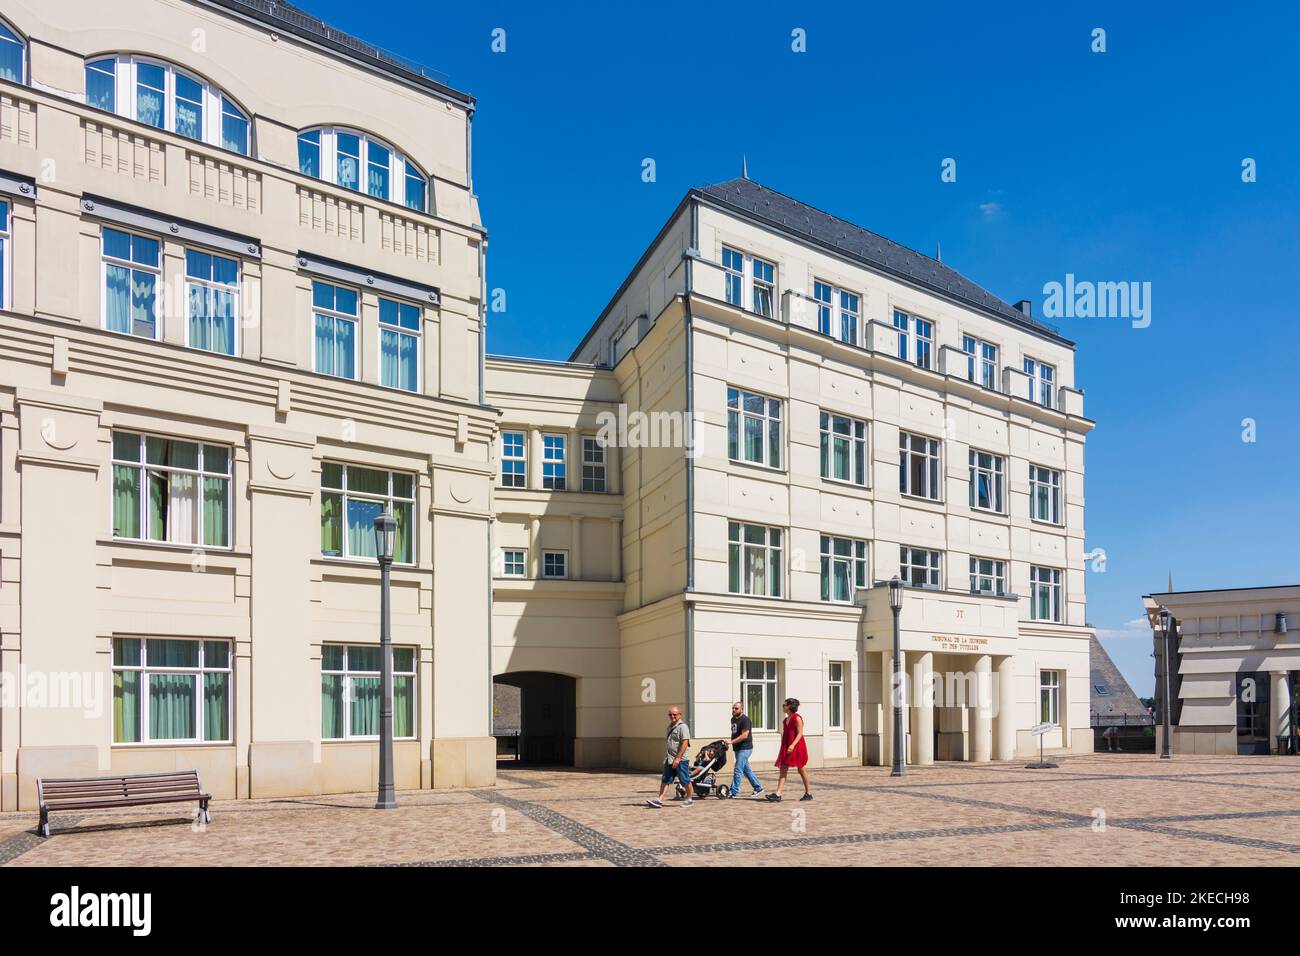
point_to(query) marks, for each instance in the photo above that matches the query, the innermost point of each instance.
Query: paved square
(1102, 810)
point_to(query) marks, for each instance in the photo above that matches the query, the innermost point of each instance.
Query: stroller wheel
(724, 791)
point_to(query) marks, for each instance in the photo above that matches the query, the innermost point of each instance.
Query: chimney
(1025, 308)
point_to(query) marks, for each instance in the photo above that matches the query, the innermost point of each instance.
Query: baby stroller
(710, 760)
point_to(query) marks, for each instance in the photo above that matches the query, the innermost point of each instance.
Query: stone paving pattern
(1101, 809)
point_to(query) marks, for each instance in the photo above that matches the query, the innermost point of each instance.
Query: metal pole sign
(1040, 731)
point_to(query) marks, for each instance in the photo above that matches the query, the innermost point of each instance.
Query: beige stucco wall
(67, 587)
(1226, 636)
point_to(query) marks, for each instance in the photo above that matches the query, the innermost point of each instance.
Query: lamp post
(896, 605)
(385, 532)
(1166, 748)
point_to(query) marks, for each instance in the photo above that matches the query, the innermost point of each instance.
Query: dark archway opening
(535, 717)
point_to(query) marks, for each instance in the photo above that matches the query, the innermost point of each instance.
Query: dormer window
(167, 98)
(362, 163)
(13, 56)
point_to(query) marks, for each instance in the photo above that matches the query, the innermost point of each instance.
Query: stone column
(63, 507)
(982, 711)
(1279, 709)
(1004, 744)
(923, 702)
(575, 547)
(573, 460)
(616, 550)
(284, 749)
(533, 467)
(535, 547)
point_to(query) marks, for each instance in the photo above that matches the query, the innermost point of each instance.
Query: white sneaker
(687, 802)
(654, 804)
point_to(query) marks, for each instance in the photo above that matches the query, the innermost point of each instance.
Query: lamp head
(385, 533)
(1164, 619)
(896, 592)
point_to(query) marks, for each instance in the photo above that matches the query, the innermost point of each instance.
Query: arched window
(13, 55)
(356, 160)
(167, 97)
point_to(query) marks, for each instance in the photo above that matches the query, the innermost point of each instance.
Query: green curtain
(171, 706)
(126, 502)
(331, 707)
(216, 512)
(325, 345)
(117, 298)
(216, 706)
(402, 537)
(410, 363)
(199, 317)
(331, 524)
(157, 506)
(126, 707)
(390, 371)
(223, 322)
(842, 471)
(403, 706)
(365, 707)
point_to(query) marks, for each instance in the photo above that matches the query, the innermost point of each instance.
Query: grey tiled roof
(1120, 699)
(292, 19)
(800, 219)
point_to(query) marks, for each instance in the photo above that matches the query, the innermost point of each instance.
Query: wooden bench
(129, 790)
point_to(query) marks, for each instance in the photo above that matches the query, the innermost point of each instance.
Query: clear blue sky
(1124, 165)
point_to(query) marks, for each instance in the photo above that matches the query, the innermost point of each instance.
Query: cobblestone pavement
(1103, 809)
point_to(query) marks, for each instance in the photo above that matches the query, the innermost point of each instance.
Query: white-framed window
(1042, 381)
(212, 302)
(981, 361)
(593, 465)
(6, 297)
(758, 691)
(514, 563)
(988, 576)
(754, 563)
(399, 345)
(350, 691)
(843, 568)
(843, 448)
(919, 567)
(915, 338)
(352, 497)
(1049, 696)
(1044, 494)
(170, 491)
(554, 469)
(359, 161)
(838, 312)
(555, 564)
(13, 55)
(918, 466)
(750, 281)
(835, 695)
(1044, 594)
(131, 271)
(171, 691)
(166, 97)
(987, 481)
(336, 320)
(753, 428)
(514, 459)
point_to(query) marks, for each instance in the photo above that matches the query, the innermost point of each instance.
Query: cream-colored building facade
(748, 298)
(210, 323)
(242, 312)
(1234, 668)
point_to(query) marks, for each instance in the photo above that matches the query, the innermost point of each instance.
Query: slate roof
(792, 216)
(1119, 701)
(291, 19)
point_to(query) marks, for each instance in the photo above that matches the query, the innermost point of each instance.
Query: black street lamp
(385, 532)
(1167, 745)
(896, 605)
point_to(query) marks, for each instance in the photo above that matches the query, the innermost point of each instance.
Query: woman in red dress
(794, 751)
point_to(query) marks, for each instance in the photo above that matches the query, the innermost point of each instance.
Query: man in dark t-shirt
(742, 746)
